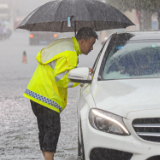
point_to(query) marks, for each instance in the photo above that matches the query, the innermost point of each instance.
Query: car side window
(97, 59)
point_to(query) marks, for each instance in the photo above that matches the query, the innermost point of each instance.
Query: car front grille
(148, 128)
(109, 154)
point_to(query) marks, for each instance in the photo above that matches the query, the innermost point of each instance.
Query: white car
(119, 108)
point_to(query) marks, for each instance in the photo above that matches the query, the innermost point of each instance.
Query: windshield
(135, 59)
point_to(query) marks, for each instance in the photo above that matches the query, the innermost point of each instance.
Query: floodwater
(18, 126)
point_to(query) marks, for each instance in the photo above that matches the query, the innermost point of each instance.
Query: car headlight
(107, 122)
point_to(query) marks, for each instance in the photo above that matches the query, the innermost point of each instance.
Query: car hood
(123, 96)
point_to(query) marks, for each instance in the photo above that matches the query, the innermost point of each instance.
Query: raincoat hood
(57, 49)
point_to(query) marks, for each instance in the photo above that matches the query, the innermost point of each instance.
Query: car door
(85, 88)
(81, 94)
(80, 100)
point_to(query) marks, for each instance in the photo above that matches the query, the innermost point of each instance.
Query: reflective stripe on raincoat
(49, 83)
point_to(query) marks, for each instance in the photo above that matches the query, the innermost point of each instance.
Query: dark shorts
(49, 127)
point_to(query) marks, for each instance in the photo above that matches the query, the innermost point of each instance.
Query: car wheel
(81, 153)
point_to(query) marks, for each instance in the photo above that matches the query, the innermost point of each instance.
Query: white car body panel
(123, 96)
(129, 98)
(125, 104)
(140, 148)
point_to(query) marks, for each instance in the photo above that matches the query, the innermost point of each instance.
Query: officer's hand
(90, 71)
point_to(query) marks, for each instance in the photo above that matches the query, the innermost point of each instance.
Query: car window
(97, 59)
(133, 59)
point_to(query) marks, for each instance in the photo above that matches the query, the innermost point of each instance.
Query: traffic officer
(47, 88)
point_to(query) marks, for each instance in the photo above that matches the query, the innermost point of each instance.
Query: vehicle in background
(5, 13)
(5, 30)
(104, 40)
(106, 34)
(119, 108)
(42, 38)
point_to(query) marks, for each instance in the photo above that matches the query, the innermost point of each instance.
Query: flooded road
(18, 126)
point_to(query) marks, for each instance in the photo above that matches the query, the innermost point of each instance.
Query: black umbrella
(69, 15)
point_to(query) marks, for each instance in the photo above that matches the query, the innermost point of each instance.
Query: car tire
(81, 152)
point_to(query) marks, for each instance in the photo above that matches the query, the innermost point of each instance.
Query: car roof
(136, 36)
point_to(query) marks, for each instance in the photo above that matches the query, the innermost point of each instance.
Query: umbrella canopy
(68, 15)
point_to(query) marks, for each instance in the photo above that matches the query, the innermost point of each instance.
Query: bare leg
(43, 153)
(48, 155)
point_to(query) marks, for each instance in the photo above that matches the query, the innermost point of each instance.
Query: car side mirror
(80, 75)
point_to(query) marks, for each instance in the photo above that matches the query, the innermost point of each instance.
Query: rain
(18, 125)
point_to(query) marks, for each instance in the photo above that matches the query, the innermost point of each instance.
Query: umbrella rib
(99, 8)
(32, 27)
(60, 1)
(90, 15)
(95, 25)
(88, 12)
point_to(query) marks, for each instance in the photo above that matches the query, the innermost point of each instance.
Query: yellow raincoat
(49, 83)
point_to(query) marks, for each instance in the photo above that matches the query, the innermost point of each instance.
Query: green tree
(144, 9)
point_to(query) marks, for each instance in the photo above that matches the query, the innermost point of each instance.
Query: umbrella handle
(75, 27)
(69, 23)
